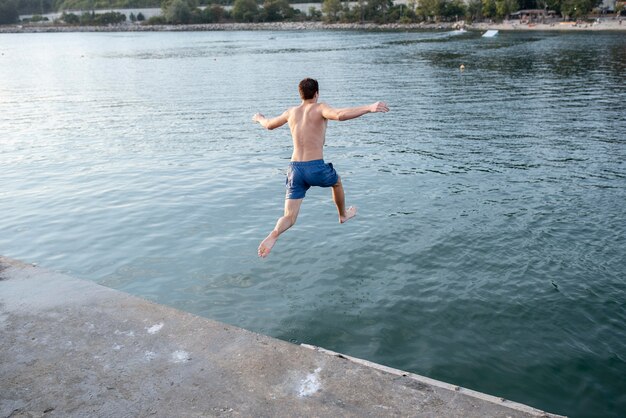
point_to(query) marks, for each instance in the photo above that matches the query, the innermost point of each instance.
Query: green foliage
(441, 9)
(489, 8)
(93, 4)
(378, 10)
(474, 9)
(36, 19)
(530, 4)
(102, 19)
(70, 18)
(277, 10)
(429, 9)
(245, 11)
(177, 12)
(453, 9)
(314, 14)
(331, 10)
(212, 14)
(505, 7)
(156, 20)
(8, 12)
(577, 8)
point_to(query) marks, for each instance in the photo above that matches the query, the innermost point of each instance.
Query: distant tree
(377, 10)
(156, 20)
(245, 11)
(132, 17)
(429, 9)
(314, 14)
(505, 7)
(354, 14)
(111, 18)
(207, 15)
(140, 17)
(196, 16)
(8, 12)
(331, 10)
(528, 4)
(70, 18)
(87, 18)
(578, 8)
(453, 9)
(38, 18)
(489, 8)
(396, 12)
(177, 12)
(474, 9)
(277, 10)
(217, 13)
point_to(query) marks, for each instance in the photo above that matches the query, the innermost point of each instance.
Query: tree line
(378, 11)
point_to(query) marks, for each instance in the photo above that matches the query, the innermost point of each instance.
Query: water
(489, 247)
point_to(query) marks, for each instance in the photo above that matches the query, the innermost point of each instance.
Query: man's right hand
(379, 107)
(257, 117)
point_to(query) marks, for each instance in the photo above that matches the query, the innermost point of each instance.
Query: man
(307, 123)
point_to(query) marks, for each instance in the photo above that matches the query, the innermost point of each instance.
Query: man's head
(307, 88)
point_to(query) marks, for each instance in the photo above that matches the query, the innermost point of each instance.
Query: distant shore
(604, 25)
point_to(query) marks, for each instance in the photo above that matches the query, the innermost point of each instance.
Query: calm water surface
(489, 250)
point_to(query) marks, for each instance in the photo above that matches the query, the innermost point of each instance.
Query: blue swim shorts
(301, 175)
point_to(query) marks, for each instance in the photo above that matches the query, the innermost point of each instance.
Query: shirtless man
(307, 123)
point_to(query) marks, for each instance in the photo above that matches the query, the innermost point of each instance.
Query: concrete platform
(72, 348)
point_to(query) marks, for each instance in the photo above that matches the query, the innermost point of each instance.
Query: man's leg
(340, 200)
(292, 208)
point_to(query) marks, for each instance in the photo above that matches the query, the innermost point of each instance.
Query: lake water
(489, 250)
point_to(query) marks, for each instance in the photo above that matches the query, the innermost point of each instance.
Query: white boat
(490, 34)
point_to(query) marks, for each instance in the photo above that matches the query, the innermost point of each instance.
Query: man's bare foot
(350, 213)
(267, 244)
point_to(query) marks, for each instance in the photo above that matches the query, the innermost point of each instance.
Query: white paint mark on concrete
(149, 355)
(117, 347)
(310, 384)
(180, 356)
(155, 328)
(127, 333)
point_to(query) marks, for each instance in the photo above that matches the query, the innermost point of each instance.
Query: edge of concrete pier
(73, 348)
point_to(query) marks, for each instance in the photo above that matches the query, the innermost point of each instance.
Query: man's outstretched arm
(352, 112)
(271, 123)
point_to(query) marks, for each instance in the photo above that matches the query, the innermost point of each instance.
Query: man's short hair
(307, 88)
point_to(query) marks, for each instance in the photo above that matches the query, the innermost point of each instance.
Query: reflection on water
(488, 250)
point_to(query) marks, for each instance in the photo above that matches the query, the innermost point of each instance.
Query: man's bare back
(307, 123)
(308, 130)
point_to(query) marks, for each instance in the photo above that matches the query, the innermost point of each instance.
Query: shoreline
(607, 25)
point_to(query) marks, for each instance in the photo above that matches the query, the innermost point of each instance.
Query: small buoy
(462, 67)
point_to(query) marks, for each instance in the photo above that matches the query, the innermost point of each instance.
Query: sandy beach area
(608, 24)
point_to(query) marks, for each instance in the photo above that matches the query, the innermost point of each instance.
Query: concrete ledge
(72, 348)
